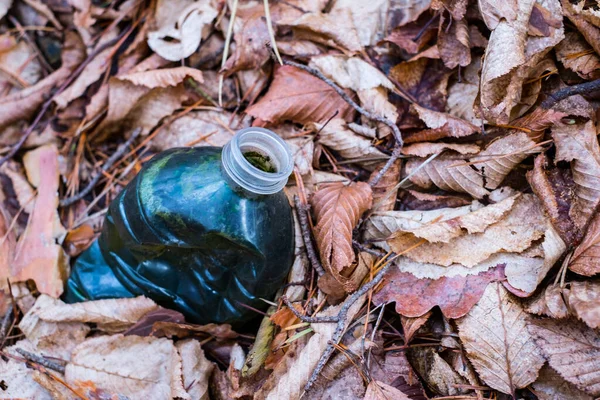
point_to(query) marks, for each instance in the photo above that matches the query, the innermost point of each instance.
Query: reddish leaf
(455, 295)
(144, 326)
(586, 258)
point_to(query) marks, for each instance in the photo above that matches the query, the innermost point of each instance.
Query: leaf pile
(446, 194)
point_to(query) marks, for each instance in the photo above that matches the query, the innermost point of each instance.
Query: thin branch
(304, 318)
(41, 360)
(395, 156)
(582, 88)
(116, 156)
(302, 211)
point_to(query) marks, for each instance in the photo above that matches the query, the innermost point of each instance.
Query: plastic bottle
(199, 230)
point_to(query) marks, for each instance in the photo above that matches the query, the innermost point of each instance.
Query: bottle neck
(248, 177)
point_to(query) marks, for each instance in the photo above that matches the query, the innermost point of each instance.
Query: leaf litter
(483, 230)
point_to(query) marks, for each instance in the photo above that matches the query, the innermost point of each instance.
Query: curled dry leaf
(297, 96)
(135, 366)
(454, 42)
(411, 325)
(181, 25)
(454, 295)
(385, 191)
(495, 337)
(338, 208)
(110, 315)
(439, 376)
(586, 258)
(572, 349)
(579, 145)
(574, 53)
(380, 391)
(162, 77)
(442, 125)
(336, 135)
(196, 369)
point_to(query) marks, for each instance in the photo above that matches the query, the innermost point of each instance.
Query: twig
(395, 155)
(302, 211)
(347, 99)
(41, 360)
(112, 159)
(304, 318)
(582, 88)
(362, 247)
(341, 324)
(48, 102)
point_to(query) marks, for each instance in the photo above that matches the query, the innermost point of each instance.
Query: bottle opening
(258, 160)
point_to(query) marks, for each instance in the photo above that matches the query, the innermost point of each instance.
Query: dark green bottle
(199, 230)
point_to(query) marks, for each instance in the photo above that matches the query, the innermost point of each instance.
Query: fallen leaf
(454, 42)
(410, 325)
(441, 125)
(134, 366)
(110, 315)
(574, 53)
(425, 149)
(416, 200)
(297, 96)
(454, 295)
(4, 7)
(337, 208)
(181, 330)
(55, 339)
(380, 391)
(413, 37)
(494, 335)
(572, 350)
(181, 25)
(579, 145)
(439, 376)
(196, 369)
(385, 191)
(462, 94)
(394, 369)
(590, 32)
(551, 386)
(162, 77)
(549, 302)
(22, 105)
(19, 381)
(368, 17)
(336, 135)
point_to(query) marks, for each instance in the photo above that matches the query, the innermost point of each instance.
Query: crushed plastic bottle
(202, 230)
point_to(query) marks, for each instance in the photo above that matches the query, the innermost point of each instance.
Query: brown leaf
(583, 300)
(454, 43)
(439, 376)
(135, 366)
(413, 37)
(21, 105)
(384, 194)
(574, 53)
(572, 349)
(454, 295)
(425, 149)
(78, 239)
(495, 337)
(337, 208)
(549, 302)
(579, 145)
(162, 77)
(462, 94)
(368, 18)
(336, 135)
(37, 255)
(297, 96)
(551, 386)
(441, 125)
(415, 200)
(410, 325)
(181, 330)
(380, 391)
(590, 32)
(180, 26)
(144, 326)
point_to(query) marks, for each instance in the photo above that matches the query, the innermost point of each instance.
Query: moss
(260, 161)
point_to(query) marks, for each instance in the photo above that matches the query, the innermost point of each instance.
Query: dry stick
(112, 159)
(304, 318)
(397, 135)
(583, 88)
(41, 360)
(48, 102)
(302, 211)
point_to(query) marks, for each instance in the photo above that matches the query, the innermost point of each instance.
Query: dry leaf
(579, 145)
(454, 295)
(462, 94)
(196, 369)
(551, 386)
(38, 256)
(181, 25)
(337, 208)
(385, 191)
(439, 376)
(110, 315)
(443, 125)
(4, 7)
(573, 53)
(414, 36)
(162, 77)
(55, 339)
(368, 17)
(425, 149)
(495, 337)
(380, 391)
(297, 96)
(572, 349)
(454, 43)
(336, 135)
(410, 325)
(549, 302)
(135, 366)
(19, 380)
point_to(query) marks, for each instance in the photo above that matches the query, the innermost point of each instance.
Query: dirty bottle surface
(200, 230)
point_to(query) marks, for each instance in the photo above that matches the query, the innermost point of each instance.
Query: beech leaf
(495, 337)
(336, 135)
(337, 208)
(380, 391)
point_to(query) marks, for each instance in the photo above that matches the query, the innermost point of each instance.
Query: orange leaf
(338, 208)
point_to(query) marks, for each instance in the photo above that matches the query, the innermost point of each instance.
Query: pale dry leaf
(4, 7)
(579, 145)
(493, 12)
(550, 302)
(38, 256)
(302, 150)
(162, 77)
(290, 385)
(8, 241)
(297, 96)
(19, 382)
(583, 299)
(462, 94)
(135, 366)
(451, 126)
(495, 337)
(551, 386)
(181, 25)
(590, 32)
(338, 208)
(196, 369)
(199, 128)
(351, 72)
(380, 391)
(55, 339)
(110, 315)
(573, 53)
(16, 60)
(572, 349)
(425, 149)
(368, 17)
(337, 136)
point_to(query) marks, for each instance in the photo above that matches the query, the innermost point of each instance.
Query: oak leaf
(495, 337)
(338, 208)
(572, 349)
(297, 96)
